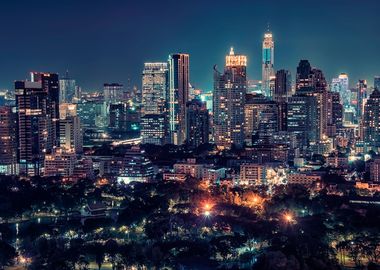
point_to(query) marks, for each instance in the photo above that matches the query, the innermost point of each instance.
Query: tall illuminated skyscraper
(71, 136)
(178, 96)
(282, 91)
(154, 87)
(267, 63)
(113, 93)
(230, 89)
(50, 84)
(34, 124)
(376, 82)
(371, 120)
(341, 85)
(8, 136)
(361, 93)
(67, 89)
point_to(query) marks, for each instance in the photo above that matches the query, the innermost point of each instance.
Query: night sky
(109, 40)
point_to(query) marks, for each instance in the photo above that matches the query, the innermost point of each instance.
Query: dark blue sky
(109, 40)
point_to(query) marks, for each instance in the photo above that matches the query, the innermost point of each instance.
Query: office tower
(267, 63)
(230, 88)
(283, 86)
(137, 167)
(118, 117)
(261, 118)
(154, 129)
(154, 87)
(70, 130)
(197, 123)
(376, 82)
(341, 85)
(91, 113)
(302, 115)
(77, 94)
(8, 135)
(34, 126)
(282, 90)
(334, 113)
(67, 89)
(113, 93)
(304, 75)
(311, 81)
(178, 96)
(371, 120)
(50, 84)
(361, 94)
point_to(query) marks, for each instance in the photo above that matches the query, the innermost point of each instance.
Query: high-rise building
(302, 115)
(154, 129)
(334, 113)
(376, 82)
(311, 81)
(197, 123)
(228, 101)
(371, 120)
(154, 87)
(113, 93)
(70, 130)
(341, 85)
(67, 88)
(178, 96)
(8, 136)
(267, 63)
(304, 75)
(50, 84)
(374, 170)
(361, 94)
(282, 91)
(118, 117)
(261, 118)
(283, 86)
(34, 126)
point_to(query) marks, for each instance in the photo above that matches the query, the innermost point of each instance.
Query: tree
(7, 254)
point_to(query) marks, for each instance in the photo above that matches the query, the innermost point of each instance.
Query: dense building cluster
(264, 136)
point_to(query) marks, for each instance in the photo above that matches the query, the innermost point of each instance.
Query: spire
(232, 51)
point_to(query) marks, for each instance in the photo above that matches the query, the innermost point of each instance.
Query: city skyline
(97, 49)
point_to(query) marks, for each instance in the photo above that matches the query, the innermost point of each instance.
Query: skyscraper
(178, 96)
(371, 120)
(282, 91)
(341, 85)
(311, 81)
(197, 123)
(50, 84)
(361, 94)
(303, 78)
(154, 87)
(376, 82)
(228, 101)
(267, 63)
(70, 130)
(261, 118)
(67, 88)
(302, 113)
(34, 126)
(8, 136)
(113, 93)
(154, 129)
